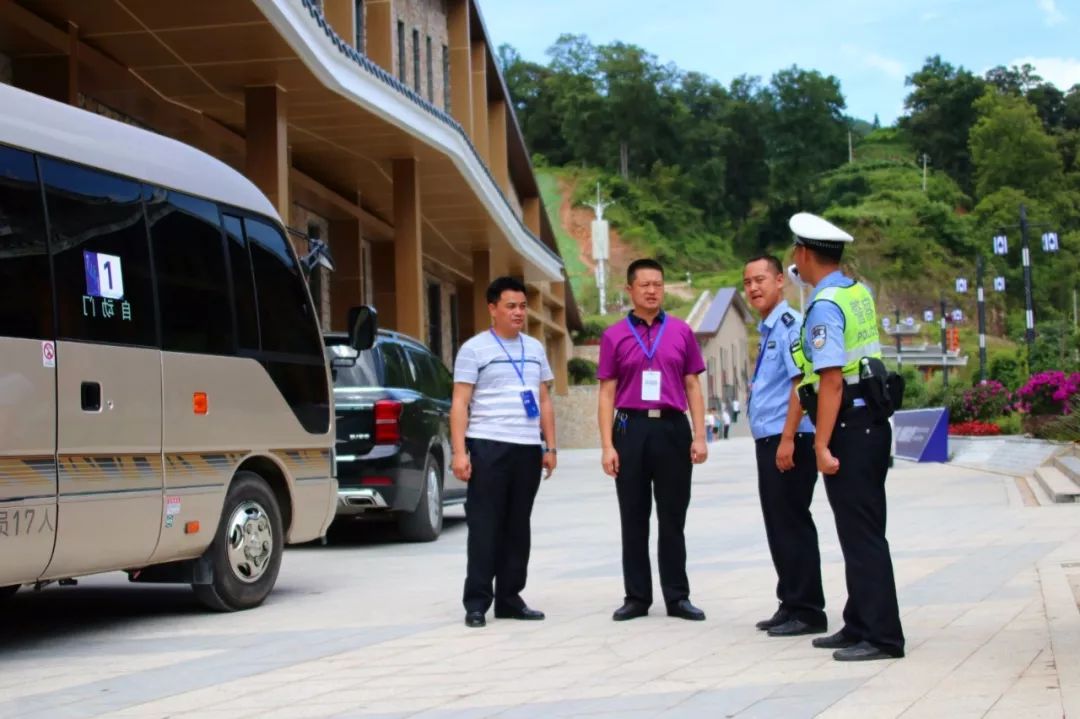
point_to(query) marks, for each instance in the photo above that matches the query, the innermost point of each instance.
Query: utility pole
(896, 331)
(1029, 312)
(982, 316)
(850, 149)
(944, 347)
(600, 248)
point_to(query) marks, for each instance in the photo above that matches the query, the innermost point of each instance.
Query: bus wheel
(246, 552)
(424, 524)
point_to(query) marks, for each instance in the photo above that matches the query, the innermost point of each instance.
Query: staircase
(1060, 477)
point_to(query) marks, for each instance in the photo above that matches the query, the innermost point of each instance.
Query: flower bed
(975, 428)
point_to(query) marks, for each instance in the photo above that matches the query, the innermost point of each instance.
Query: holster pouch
(808, 400)
(874, 387)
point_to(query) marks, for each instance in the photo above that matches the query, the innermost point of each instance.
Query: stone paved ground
(368, 627)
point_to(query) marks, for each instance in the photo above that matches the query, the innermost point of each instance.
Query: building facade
(720, 324)
(382, 127)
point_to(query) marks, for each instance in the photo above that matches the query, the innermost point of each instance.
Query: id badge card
(650, 386)
(532, 409)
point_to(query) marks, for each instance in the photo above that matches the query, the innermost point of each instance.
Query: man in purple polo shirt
(649, 367)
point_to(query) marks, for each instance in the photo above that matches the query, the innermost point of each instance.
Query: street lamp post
(896, 331)
(944, 348)
(1029, 312)
(982, 315)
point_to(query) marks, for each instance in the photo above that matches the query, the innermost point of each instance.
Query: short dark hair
(645, 263)
(773, 260)
(503, 284)
(832, 253)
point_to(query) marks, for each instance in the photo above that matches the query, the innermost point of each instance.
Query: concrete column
(380, 31)
(382, 276)
(561, 351)
(267, 163)
(458, 28)
(497, 151)
(347, 280)
(55, 77)
(408, 252)
(482, 277)
(530, 210)
(466, 321)
(341, 16)
(480, 99)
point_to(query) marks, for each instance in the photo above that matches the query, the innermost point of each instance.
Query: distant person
(786, 464)
(649, 367)
(500, 405)
(710, 426)
(725, 418)
(735, 409)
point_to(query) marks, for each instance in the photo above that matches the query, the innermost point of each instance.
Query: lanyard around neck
(761, 353)
(648, 352)
(520, 372)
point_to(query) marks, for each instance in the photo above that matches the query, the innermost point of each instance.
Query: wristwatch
(550, 450)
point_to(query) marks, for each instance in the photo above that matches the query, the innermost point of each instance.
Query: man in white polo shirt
(501, 404)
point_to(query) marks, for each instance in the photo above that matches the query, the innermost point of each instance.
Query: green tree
(941, 114)
(1010, 148)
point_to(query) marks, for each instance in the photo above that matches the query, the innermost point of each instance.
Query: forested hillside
(705, 173)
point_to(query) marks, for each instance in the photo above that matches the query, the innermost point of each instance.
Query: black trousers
(498, 507)
(654, 459)
(857, 496)
(789, 527)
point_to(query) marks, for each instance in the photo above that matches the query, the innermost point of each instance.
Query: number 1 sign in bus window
(104, 277)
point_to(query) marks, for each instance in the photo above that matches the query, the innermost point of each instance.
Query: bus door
(27, 376)
(108, 372)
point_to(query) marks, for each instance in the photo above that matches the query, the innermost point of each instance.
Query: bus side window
(287, 322)
(243, 283)
(26, 304)
(193, 289)
(101, 256)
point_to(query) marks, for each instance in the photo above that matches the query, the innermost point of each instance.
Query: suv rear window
(361, 374)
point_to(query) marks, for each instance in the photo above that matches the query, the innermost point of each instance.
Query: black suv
(392, 404)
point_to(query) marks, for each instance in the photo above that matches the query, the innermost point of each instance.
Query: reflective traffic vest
(860, 327)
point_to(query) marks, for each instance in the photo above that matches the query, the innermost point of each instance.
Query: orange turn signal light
(200, 403)
(191, 527)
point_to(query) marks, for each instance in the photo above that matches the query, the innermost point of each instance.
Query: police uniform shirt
(824, 341)
(771, 390)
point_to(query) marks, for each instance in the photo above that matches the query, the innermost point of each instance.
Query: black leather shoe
(683, 609)
(630, 610)
(523, 613)
(475, 619)
(775, 620)
(834, 641)
(795, 628)
(863, 652)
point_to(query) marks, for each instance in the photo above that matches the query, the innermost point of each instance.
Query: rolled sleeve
(465, 369)
(607, 368)
(825, 325)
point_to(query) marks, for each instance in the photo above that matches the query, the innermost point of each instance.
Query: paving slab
(371, 627)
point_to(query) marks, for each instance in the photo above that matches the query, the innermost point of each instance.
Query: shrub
(1048, 393)
(952, 398)
(986, 400)
(581, 371)
(1010, 423)
(975, 428)
(1067, 426)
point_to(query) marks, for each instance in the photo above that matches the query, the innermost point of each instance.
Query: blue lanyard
(520, 372)
(649, 353)
(761, 353)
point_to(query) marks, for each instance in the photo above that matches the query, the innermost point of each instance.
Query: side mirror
(362, 327)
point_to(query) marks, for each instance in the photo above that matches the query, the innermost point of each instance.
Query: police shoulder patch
(787, 319)
(818, 336)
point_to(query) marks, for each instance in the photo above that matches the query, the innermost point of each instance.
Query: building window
(358, 23)
(446, 78)
(416, 59)
(430, 72)
(401, 50)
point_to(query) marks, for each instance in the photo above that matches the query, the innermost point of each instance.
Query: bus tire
(245, 555)
(424, 524)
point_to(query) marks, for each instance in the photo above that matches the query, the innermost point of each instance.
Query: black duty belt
(651, 413)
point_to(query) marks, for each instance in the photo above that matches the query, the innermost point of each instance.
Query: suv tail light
(387, 421)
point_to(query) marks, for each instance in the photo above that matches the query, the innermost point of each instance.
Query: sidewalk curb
(1063, 621)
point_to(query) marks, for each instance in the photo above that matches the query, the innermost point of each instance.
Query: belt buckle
(654, 414)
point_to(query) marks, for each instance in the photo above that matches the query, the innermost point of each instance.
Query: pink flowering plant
(1048, 393)
(986, 401)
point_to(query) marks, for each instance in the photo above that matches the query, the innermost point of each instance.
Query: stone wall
(5, 69)
(429, 18)
(589, 352)
(575, 417)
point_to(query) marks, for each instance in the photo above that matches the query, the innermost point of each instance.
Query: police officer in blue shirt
(852, 440)
(787, 468)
